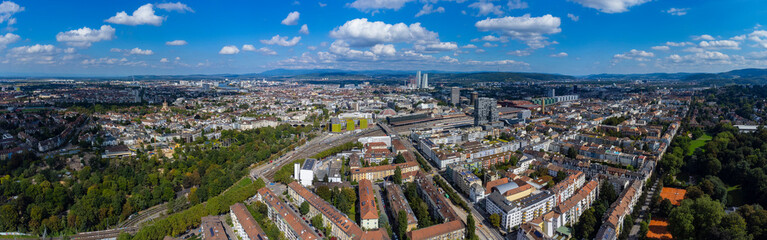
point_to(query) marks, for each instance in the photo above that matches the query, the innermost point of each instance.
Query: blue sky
(578, 37)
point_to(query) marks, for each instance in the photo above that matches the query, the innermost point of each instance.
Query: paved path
(644, 210)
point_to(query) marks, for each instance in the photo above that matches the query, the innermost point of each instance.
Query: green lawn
(697, 143)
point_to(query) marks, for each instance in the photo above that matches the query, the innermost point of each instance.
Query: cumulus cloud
(139, 51)
(429, 9)
(661, 48)
(229, 50)
(491, 38)
(498, 62)
(7, 10)
(573, 17)
(706, 57)
(282, 41)
(368, 5)
(142, 15)
(610, 6)
(703, 37)
(177, 6)
(678, 44)
(486, 7)
(437, 47)
(487, 44)
(176, 43)
(292, 18)
(720, 44)
(634, 54)
(524, 28)
(361, 33)
(40, 54)
(85, 36)
(759, 37)
(263, 50)
(7, 39)
(304, 29)
(470, 46)
(559, 55)
(516, 4)
(384, 49)
(164, 60)
(519, 53)
(677, 11)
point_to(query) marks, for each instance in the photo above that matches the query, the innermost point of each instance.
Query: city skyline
(574, 37)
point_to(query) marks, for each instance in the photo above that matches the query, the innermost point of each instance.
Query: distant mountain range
(751, 75)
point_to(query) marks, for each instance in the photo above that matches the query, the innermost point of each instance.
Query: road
(318, 144)
(643, 212)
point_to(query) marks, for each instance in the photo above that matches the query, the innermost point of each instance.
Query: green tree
(399, 158)
(695, 218)
(304, 208)
(607, 193)
(397, 178)
(665, 208)
(9, 217)
(572, 152)
(585, 225)
(402, 224)
(470, 227)
(495, 219)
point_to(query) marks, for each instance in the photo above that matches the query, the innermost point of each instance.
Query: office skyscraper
(455, 96)
(485, 111)
(418, 80)
(551, 93)
(425, 81)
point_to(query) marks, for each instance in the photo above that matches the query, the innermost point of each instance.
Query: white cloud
(37, 48)
(610, 6)
(229, 50)
(7, 10)
(470, 46)
(142, 15)
(519, 53)
(720, 44)
(85, 36)
(677, 11)
(429, 9)
(524, 28)
(177, 6)
(263, 50)
(282, 41)
(384, 49)
(759, 37)
(367, 5)
(634, 54)
(491, 38)
(361, 33)
(438, 47)
(661, 48)
(487, 44)
(559, 55)
(8, 38)
(486, 7)
(176, 43)
(322, 4)
(164, 60)
(304, 29)
(499, 62)
(678, 44)
(479, 50)
(292, 18)
(139, 51)
(573, 17)
(517, 4)
(703, 37)
(707, 57)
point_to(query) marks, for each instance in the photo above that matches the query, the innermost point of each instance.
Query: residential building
(244, 225)
(368, 208)
(287, 220)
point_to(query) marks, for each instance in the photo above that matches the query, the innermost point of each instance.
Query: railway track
(143, 216)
